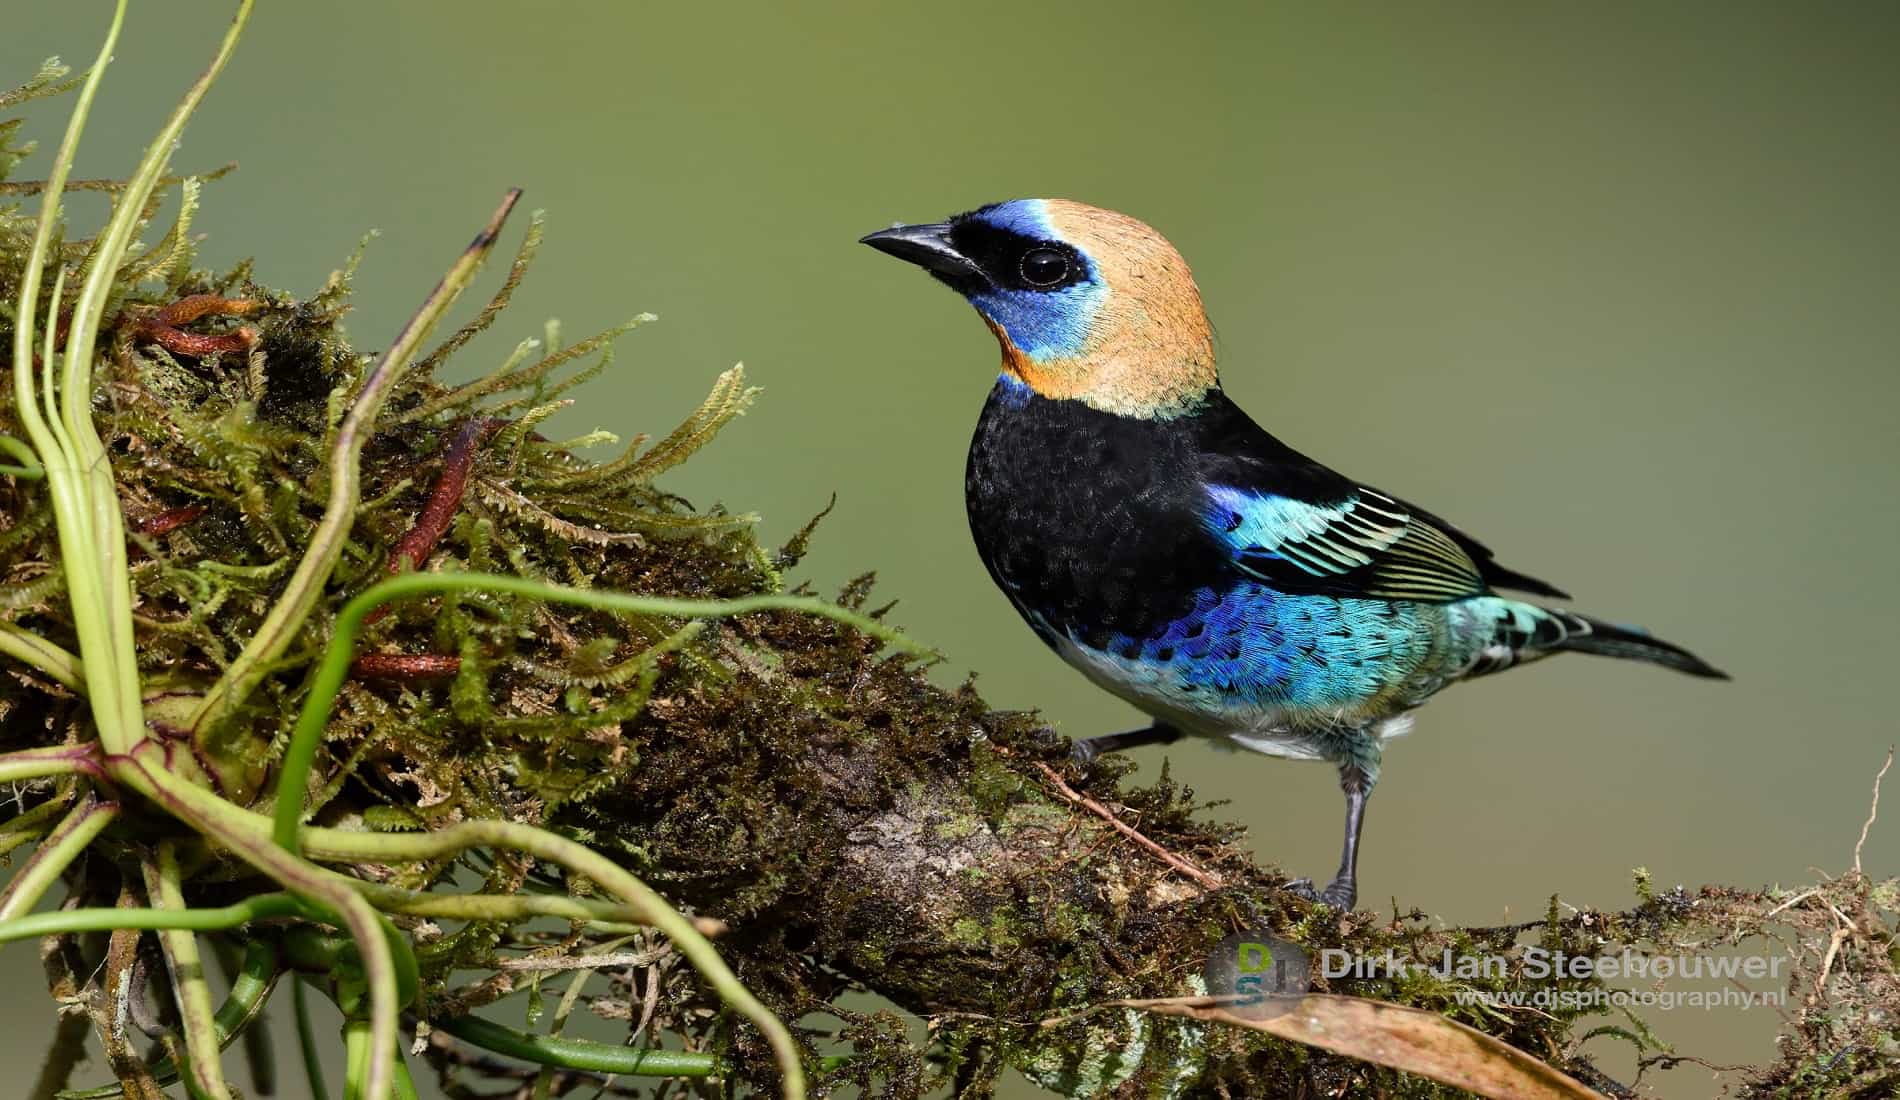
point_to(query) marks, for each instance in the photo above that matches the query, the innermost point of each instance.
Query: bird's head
(1088, 304)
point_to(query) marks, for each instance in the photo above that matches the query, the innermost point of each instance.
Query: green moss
(994, 786)
(968, 932)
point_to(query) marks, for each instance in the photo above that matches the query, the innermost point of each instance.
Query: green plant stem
(25, 389)
(103, 919)
(320, 556)
(29, 468)
(30, 826)
(328, 679)
(490, 907)
(164, 887)
(253, 1034)
(113, 690)
(54, 760)
(405, 1084)
(307, 1044)
(358, 1039)
(54, 855)
(29, 648)
(603, 872)
(256, 977)
(581, 1054)
(111, 677)
(87, 510)
(49, 398)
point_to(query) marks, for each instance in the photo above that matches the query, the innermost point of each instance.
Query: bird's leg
(1356, 780)
(1089, 748)
(1343, 891)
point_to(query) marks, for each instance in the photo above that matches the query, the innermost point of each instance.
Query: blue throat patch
(1044, 324)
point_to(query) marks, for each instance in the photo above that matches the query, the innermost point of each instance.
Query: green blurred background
(1611, 286)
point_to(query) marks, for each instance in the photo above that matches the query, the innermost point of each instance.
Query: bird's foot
(1084, 751)
(1339, 893)
(1046, 737)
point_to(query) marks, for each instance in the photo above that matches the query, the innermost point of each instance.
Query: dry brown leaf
(1410, 1039)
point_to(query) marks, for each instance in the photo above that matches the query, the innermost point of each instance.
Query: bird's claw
(1339, 894)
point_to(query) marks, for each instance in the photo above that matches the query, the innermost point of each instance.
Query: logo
(1258, 976)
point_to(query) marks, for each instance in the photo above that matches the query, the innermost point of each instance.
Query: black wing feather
(1352, 540)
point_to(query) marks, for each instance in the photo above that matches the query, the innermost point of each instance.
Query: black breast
(1089, 521)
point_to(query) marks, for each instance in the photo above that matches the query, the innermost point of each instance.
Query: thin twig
(1827, 963)
(135, 1078)
(585, 962)
(1873, 810)
(648, 1004)
(1791, 902)
(1201, 1000)
(1207, 879)
(544, 1082)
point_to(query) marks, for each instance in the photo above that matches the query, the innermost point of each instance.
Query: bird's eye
(1044, 267)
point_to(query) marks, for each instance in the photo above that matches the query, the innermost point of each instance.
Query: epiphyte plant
(191, 760)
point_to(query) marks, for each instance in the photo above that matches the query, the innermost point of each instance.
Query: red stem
(404, 666)
(445, 499)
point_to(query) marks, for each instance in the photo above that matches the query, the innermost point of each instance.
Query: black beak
(927, 246)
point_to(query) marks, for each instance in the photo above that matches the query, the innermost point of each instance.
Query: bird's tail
(1522, 632)
(1586, 635)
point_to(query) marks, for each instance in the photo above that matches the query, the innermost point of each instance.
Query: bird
(1183, 558)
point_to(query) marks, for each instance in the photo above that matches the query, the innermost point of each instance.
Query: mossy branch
(334, 668)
